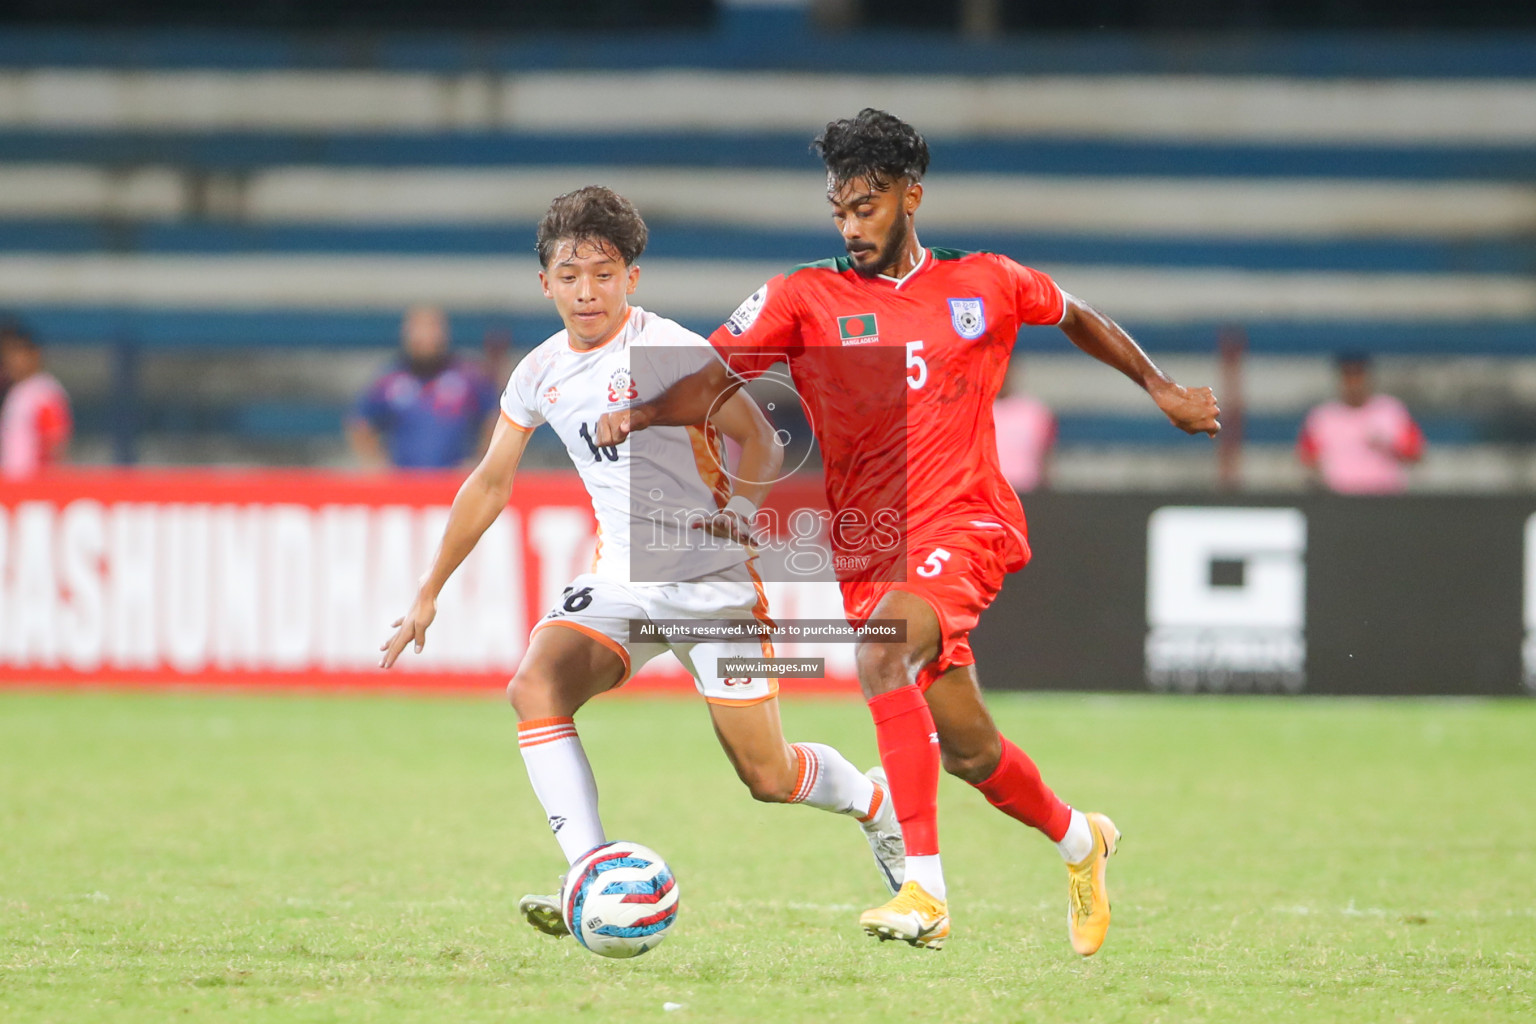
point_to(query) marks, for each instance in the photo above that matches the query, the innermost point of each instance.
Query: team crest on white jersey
(621, 387)
(746, 313)
(969, 318)
(551, 394)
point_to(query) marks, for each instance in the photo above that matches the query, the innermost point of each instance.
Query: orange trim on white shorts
(745, 702)
(602, 638)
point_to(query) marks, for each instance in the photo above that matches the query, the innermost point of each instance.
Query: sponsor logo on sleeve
(859, 329)
(969, 317)
(746, 313)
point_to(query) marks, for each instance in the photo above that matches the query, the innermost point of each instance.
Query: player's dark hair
(874, 145)
(595, 215)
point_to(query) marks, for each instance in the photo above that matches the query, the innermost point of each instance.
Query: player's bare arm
(686, 402)
(762, 457)
(1192, 410)
(481, 498)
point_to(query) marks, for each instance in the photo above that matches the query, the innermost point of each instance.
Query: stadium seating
(177, 196)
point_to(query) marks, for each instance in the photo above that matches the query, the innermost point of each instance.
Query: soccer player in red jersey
(897, 352)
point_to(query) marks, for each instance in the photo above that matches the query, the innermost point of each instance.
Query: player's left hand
(1192, 410)
(727, 525)
(412, 626)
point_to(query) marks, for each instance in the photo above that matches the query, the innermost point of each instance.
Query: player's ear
(634, 278)
(544, 283)
(914, 197)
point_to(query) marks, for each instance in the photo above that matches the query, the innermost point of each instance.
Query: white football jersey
(649, 491)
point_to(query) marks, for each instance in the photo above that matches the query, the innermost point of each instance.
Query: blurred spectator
(1363, 442)
(1026, 433)
(431, 410)
(35, 420)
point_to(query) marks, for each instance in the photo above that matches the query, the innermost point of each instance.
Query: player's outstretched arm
(480, 500)
(1192, 410)
(688, 401)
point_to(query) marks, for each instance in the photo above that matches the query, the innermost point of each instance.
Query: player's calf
(968, 760)
(771, 782)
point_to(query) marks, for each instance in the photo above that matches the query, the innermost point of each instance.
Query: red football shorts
(958, 568)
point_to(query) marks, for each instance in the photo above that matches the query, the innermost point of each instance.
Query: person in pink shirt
(35, 420)
(1361, 443)
(1026, 433)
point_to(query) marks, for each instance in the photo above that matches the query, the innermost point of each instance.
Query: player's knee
(971, 764)
(530, 693)
(881, 667)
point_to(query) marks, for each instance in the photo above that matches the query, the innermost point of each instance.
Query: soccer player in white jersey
(654, 562)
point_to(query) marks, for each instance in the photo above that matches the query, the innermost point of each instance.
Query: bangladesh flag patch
(858, 329)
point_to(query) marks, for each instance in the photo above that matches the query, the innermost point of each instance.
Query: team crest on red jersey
(969, 317)
(621, 387)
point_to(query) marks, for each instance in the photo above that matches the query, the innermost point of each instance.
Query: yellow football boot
(1087, 893)
(912, 916)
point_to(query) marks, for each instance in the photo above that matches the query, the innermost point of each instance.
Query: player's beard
(889, 253)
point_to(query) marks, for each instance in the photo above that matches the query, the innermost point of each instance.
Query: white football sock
(829, 780)
(562, 780)
(1078, 842)
(928, 873)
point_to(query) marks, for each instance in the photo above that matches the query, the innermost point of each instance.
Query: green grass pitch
(205, 857)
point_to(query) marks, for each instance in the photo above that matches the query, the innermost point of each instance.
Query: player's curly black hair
(874, 145)
(593, 214)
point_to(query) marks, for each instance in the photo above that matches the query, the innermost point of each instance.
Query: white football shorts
(603, 609)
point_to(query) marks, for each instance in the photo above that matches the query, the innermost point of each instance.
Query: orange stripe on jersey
(760, 608)
(709, 459)
(514, 424)
(628, 311)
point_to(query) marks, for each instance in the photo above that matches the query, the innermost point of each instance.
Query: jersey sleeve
(764, 330)
(519, 402)
(1037, 300)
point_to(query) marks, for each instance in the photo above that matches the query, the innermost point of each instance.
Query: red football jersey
(898, 380)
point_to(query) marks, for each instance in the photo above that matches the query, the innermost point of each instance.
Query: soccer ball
(619, 899)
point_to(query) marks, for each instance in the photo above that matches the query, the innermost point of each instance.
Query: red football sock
(1017, 790)
(909, 752)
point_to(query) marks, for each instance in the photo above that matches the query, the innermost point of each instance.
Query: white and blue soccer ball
(619, 899)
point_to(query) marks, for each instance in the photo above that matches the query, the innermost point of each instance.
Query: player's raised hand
(1192, 410)
(412, 626)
